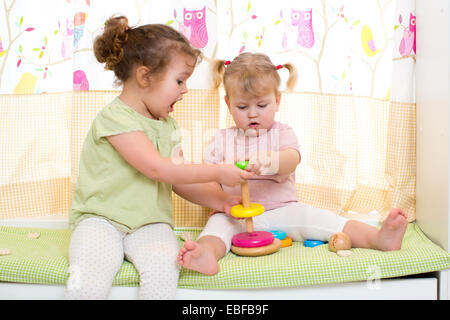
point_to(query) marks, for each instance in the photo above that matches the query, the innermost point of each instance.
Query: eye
(199, 15)
(307, 16)
(413, 22)
(242, 107)
(188, 16)
(295, 16)
(180, 82)
(262, 105)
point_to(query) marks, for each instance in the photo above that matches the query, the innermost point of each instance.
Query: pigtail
(292, 80)
(218, 69)
(108, 47)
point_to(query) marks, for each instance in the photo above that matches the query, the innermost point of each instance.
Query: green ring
(241, 164)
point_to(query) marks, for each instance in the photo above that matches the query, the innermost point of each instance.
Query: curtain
(353, 108)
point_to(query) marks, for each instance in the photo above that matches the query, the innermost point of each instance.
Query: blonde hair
(251, 73)
(122, 47)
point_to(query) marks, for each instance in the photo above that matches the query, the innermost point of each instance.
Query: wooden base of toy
(258, 251)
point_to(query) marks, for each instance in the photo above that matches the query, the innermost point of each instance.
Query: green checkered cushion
(45, 261)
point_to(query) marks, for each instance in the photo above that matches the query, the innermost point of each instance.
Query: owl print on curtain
(195, 27)
(67, 39)
(303, 21)
(408, 41)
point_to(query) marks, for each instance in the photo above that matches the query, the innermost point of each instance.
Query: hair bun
(108, 47)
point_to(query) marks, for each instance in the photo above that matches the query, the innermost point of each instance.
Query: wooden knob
(339, 241)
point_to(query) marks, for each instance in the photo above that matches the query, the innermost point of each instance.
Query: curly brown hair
(122, 47)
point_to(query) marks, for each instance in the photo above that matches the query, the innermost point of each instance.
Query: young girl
(251, 84)
(122, 205)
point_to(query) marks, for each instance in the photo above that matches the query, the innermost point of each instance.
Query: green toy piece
(241, 164)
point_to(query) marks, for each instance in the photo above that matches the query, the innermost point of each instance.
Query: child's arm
(288, 161)
(139, 151)
(208, 195)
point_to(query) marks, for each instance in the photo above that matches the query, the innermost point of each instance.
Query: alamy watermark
(227, 146)
(374, 277)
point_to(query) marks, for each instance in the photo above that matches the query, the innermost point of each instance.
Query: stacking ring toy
(258, 251)
(252, 239)
(251, 243)
(239, 211)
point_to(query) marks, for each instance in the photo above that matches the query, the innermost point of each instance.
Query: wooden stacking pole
(246, 204)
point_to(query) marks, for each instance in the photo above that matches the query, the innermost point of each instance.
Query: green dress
(108, 186)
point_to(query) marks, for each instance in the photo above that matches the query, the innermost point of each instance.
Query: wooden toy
(344, 253)
(4, 251)
(279, 234)
(251, 243)
(33, 235)
(258, 251)
(286, 242)
(253, 239)
(339, 241)
(312, 243)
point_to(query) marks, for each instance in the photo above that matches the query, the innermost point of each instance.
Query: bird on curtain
(78, 30)
(2, 52)
(80, 81)
(27, 84)
(367, 42)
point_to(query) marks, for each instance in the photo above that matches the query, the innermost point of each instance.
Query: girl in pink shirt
(251, 84)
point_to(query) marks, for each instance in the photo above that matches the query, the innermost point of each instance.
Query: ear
(143, 76)
(278, 100)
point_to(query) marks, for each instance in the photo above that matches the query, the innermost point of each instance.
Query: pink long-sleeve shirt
(270, 190)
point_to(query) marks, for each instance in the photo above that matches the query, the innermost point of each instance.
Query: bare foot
(390, 236)
(195, 257)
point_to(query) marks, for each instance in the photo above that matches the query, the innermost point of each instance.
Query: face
(253, 114)
(167, 89)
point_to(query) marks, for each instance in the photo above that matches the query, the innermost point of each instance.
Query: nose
(184, 89)
(252, 112)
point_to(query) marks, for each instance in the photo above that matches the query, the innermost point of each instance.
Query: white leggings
(97, 250)
(300, 222)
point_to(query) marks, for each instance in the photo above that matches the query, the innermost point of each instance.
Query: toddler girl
(251, 84)
(122, 206)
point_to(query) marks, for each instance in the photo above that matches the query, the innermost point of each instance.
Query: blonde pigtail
(292, 80)
(218, 69)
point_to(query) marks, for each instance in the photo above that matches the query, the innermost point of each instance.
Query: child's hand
(229, 202)
(263, 163)
(230, 175)
(254, 167)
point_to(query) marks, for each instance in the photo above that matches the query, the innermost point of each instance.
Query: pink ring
(253, 239)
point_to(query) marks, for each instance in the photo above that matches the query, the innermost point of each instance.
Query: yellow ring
(239, 211)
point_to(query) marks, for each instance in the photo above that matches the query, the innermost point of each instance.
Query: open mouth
(253, 125)
(171, 106)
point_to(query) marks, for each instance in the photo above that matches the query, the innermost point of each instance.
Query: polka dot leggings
(97, 250)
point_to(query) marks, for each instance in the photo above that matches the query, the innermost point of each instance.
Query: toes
(397, 212)
(190, 245)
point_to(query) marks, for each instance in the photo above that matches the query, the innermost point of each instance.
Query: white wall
(433, 117)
